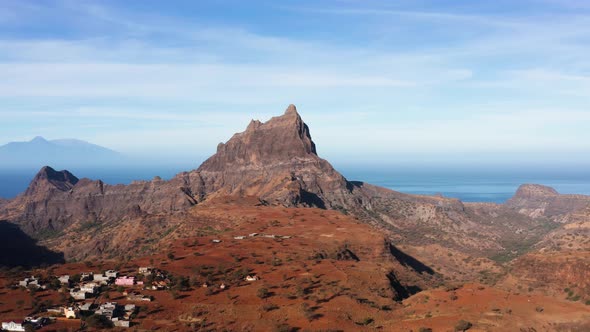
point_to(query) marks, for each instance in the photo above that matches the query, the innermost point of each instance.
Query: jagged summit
(291, 109)
(279, 140)
(48, 178)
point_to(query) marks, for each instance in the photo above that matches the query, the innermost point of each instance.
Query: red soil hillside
(329, 268)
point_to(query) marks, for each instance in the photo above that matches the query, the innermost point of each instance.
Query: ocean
(468, 185)
(471, 184)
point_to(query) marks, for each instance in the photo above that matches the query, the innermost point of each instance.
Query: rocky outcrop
(276, 161)
(49, 180)
(541, 201)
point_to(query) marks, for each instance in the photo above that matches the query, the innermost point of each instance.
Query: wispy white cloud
(430, 16)
(396, 92)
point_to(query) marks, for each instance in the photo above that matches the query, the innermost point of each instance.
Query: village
(87, 297)
(88, 301)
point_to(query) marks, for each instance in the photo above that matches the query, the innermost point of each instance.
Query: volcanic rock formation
(536, 200)
(277, 162)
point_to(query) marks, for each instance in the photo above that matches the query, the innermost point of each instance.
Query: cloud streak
(459, 79)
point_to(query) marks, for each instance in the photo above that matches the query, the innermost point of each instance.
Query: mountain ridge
(277, 163)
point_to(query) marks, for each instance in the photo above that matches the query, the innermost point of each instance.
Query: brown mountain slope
(560, 263)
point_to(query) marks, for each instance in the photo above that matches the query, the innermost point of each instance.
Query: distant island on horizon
(39, 152)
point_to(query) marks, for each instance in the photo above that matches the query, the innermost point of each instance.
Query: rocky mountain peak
(291, 110)
(48, 178)
(278, 140)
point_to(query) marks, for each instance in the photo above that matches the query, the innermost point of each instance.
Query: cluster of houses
(31, 282)
(120, 315)
(270, 236)
(20, 325)
(89, 286)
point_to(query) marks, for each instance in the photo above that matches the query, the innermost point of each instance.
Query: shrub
(425, 329)
(366, 321)
(99, 322)
(463, 325)
(263, 293)
(269, 307)
(284, 328)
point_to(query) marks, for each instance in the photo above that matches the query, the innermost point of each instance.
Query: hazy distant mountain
(61, 152)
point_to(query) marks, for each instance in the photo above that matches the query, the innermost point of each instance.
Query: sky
(409, 81)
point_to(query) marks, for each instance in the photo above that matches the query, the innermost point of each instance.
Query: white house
(32, 281)
(79, 295)
(89, 287)
(70, 312)
(251, 278)
(15, 325)
(101, 278)
(65, 279)
(120, 322)
(84, 276)
(111, 273)
(107, 309)
(86, 306)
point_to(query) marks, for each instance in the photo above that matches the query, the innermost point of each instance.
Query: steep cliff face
(276, 161)
(49, 180)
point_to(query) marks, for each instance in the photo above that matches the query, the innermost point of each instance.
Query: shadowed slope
(21, 250)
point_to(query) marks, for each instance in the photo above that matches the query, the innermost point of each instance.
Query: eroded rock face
(534, 191)
(276, 161)
(48, 180)
(542, 201)
(280, 140)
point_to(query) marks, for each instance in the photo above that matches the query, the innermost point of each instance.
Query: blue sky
(413, 81)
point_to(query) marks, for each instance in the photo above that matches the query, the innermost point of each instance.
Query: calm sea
(469, 185)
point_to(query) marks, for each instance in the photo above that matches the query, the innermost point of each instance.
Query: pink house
(125, 281)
